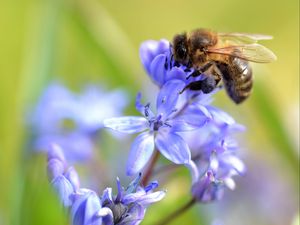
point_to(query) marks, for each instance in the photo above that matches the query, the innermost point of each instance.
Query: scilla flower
(161, 130)
(128, 207)
(71, 119)
(216, 158)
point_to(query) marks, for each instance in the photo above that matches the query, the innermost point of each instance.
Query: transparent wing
(251, 52)
(243, 37)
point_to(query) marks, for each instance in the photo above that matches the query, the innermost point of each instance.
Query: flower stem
(177, 212)
(149, 169)
(165, 169)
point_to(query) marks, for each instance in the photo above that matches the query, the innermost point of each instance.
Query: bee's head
(180, 48)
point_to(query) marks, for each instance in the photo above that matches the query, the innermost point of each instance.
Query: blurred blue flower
(216, 157)
(71, 120)
(161, 130)
(128, 207)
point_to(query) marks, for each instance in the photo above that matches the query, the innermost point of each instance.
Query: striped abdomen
(237, 78)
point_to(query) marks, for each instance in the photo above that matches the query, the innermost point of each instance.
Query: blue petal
(107, 196)
(85, 209)
(95, 105)
(234, 162)
(64, 189)
(56, 152)
(138, 105)
(77, 147)
(55, 168)
(173, 147)
(176, 74)
(120, 191)
(133, 197)
(150, 49)
(207, 189)
(220, 117)
(56, 104)
(143, 109)
(134, 184)
(127, 124)
(169, 98)
(193, 170)
(196, 116)
(151, 198)
(151, 186)
(72, 176)
(134, 216)
(107, 216)
(157, 69)
(140, 153)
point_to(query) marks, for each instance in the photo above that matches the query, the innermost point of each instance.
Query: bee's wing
(243, 37)
(251, 52)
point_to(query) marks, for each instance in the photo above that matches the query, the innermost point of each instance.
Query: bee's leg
(195, 86)
(217, 74)
(206, 86)
(201, 70)
(206, 67)
(196, 73)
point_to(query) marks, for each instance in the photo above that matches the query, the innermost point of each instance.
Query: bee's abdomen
(237, 78)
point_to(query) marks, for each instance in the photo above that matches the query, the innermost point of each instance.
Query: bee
(221, 56)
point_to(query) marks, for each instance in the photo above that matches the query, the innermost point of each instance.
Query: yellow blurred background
(98, 41)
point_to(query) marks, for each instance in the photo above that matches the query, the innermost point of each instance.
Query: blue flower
(161, 130)
(128, 207)
(216, 157)
(64, 180)
(71, 120)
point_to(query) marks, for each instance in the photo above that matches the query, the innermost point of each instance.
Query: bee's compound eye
(181, 52)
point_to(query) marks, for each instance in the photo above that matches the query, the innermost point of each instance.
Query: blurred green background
(97, 41)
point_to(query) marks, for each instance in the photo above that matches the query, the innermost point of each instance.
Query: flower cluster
(72, 120)
(182, 126)
(128, 207)
(179, 116)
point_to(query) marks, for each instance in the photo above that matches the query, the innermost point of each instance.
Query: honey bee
(221, 56)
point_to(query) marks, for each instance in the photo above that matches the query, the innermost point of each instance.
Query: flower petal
(107, 216)
(76, 146)
(72, 176)
(175, 73)
(157, 69)
(169, 98)
(193, 170)
(150, 49)
(55, 168)
(140, 153)
(127, 124)
(134, 184)
(107, 196)
(85, 209)
(151, 186)
(196, 116)
(173, 147)
(151, 198)
(56, 152)
(64, 189)
(134, 216)
(220, 117)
